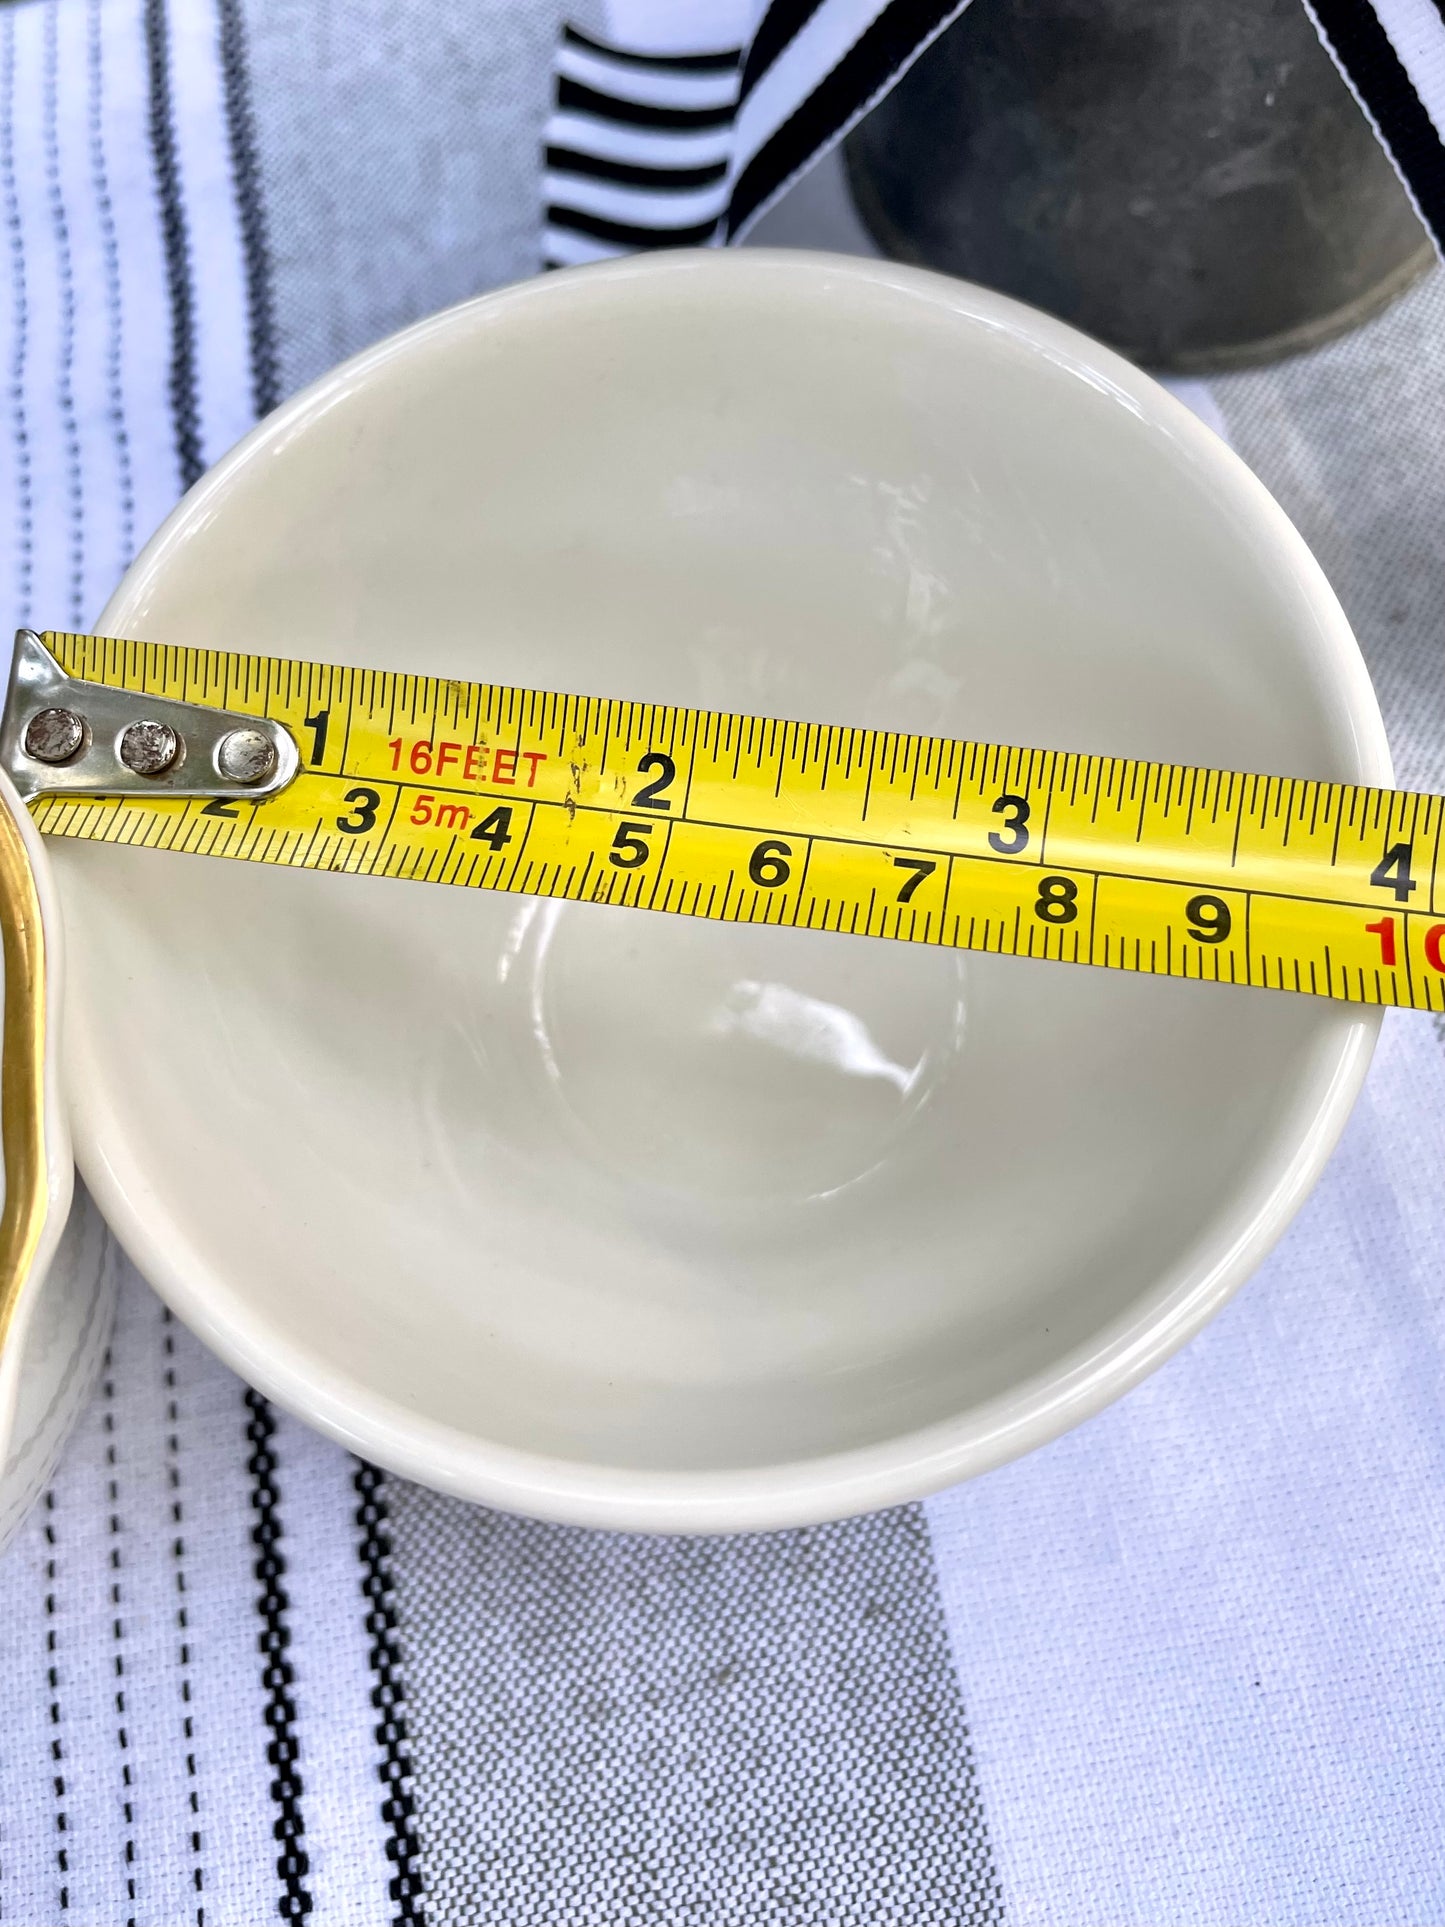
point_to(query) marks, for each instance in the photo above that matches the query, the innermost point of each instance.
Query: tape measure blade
(1227, 877)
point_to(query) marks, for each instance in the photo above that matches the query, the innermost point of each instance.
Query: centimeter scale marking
(1326, 888)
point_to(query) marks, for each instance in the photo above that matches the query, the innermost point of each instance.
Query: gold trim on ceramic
(22, 1070)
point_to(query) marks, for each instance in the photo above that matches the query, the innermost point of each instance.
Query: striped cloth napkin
(1184, 1665)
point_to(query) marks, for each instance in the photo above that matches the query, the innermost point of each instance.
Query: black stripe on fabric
(573, 97)
(250, 209)
(183, 1624)
(388, 1697)
(52, 1675)
(660, 180)
(175, 236)
(873, 61)
(779, 26)
(65, 331)
(719, 63)
(20, 343)
(626, 234)
(110, 258)
(1369, 59)
(117, 1624)
(277, 1675)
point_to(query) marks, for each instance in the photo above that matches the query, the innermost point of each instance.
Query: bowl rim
(912, 1464)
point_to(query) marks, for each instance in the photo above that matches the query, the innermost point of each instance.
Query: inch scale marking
(1325, 888)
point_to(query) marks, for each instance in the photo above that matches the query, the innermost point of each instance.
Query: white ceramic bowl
(57, 1270)
(636, 1221)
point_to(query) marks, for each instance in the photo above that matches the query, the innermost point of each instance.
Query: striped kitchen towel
(1392, 53)
(682, 128)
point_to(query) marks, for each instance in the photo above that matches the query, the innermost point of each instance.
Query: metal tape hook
(63, 737)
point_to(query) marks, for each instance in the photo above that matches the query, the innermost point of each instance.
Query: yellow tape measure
(1326, 888)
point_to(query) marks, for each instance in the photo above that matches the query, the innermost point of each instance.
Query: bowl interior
(485, 1183)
